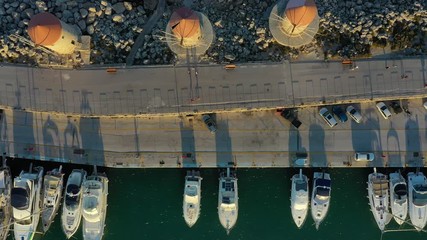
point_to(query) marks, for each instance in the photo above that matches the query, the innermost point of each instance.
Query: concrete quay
(244, 139)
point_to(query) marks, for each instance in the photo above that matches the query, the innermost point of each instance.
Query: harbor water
(147, 204)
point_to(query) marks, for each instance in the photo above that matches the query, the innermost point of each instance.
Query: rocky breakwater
(347, 28)
(112, 25)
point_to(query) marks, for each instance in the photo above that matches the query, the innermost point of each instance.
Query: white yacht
(52, 192)
(378, 198)
(25, 200)
(398, 197)
(228, 200)
(192, 197)
(299, 198)
(94, 208)
(71, 209)
(417, 188)
(5, 207)
(320, 197)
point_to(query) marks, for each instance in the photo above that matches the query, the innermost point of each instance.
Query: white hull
(71, 208)
(192, 197)
(27, 219)
(417, 185)
(94, 208)
(398, 197)
(320, 197)
(299, 198)
(379, 199)
(52, 192)
(5, 189)
(228, 201)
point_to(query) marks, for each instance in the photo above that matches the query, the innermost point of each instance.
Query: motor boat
(192, 197)
(52, 192)
(398, 197)
(417, 188)
(378, 198)
(25, 199)
(299, 198)
(5, 206)
(94, 207)
(320, 197)
(71, 208)
(228, 200)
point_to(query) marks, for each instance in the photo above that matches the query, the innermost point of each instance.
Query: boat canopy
(72, 196)
(420, 195)
(322, 192)
(400, 190)
(380, 187)
(191, 190)
(2, 180)
(323, 182)
(20, 198)
(90, 205)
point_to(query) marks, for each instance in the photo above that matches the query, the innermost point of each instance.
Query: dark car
(339, 112)
(290, 115)
(396, 107)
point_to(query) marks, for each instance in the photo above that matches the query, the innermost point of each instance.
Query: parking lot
(244, 139)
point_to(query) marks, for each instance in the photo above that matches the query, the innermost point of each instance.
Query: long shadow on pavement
(413, 147)
(23, 135)
(51, 141)
(317, 146)
(92, 151)
(188, 147)
(224, 156)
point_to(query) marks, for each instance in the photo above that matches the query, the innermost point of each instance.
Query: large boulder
(150, 4)
(119, 7)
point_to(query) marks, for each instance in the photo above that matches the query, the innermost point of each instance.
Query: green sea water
(147, 204)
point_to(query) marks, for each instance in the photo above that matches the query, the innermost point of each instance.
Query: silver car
(209, 123)
(354, 114)
(383, 109)
(327, 116)
(364, 157)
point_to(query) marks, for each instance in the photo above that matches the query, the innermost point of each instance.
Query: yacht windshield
(420, 195)
(72, 197)
(300, 185)
(20, 198)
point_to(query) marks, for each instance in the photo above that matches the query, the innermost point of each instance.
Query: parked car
(290, 114)
(354, 114)
(337, 110)
(425, 105)
(364, 157)
(383, 109)
(327, 116)
(209, 123)
(396, 107)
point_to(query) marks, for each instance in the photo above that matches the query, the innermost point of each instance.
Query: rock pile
(347, 28)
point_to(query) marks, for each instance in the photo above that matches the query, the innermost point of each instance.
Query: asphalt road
(168, 89)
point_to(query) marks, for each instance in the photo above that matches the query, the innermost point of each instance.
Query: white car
(364, 157)
(354, 114)
(209, 123)
(383, 109)
(425, 105)
(327, 116)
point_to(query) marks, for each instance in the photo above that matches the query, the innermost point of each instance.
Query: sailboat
(228, 200)
(378, 198)
(94, 208)
(398, 197)
(299, 198)
(71, 209)
(192, 196)
(52, 192)
(25, 200)
(417, 187)
(5, 206)
(320, 197)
